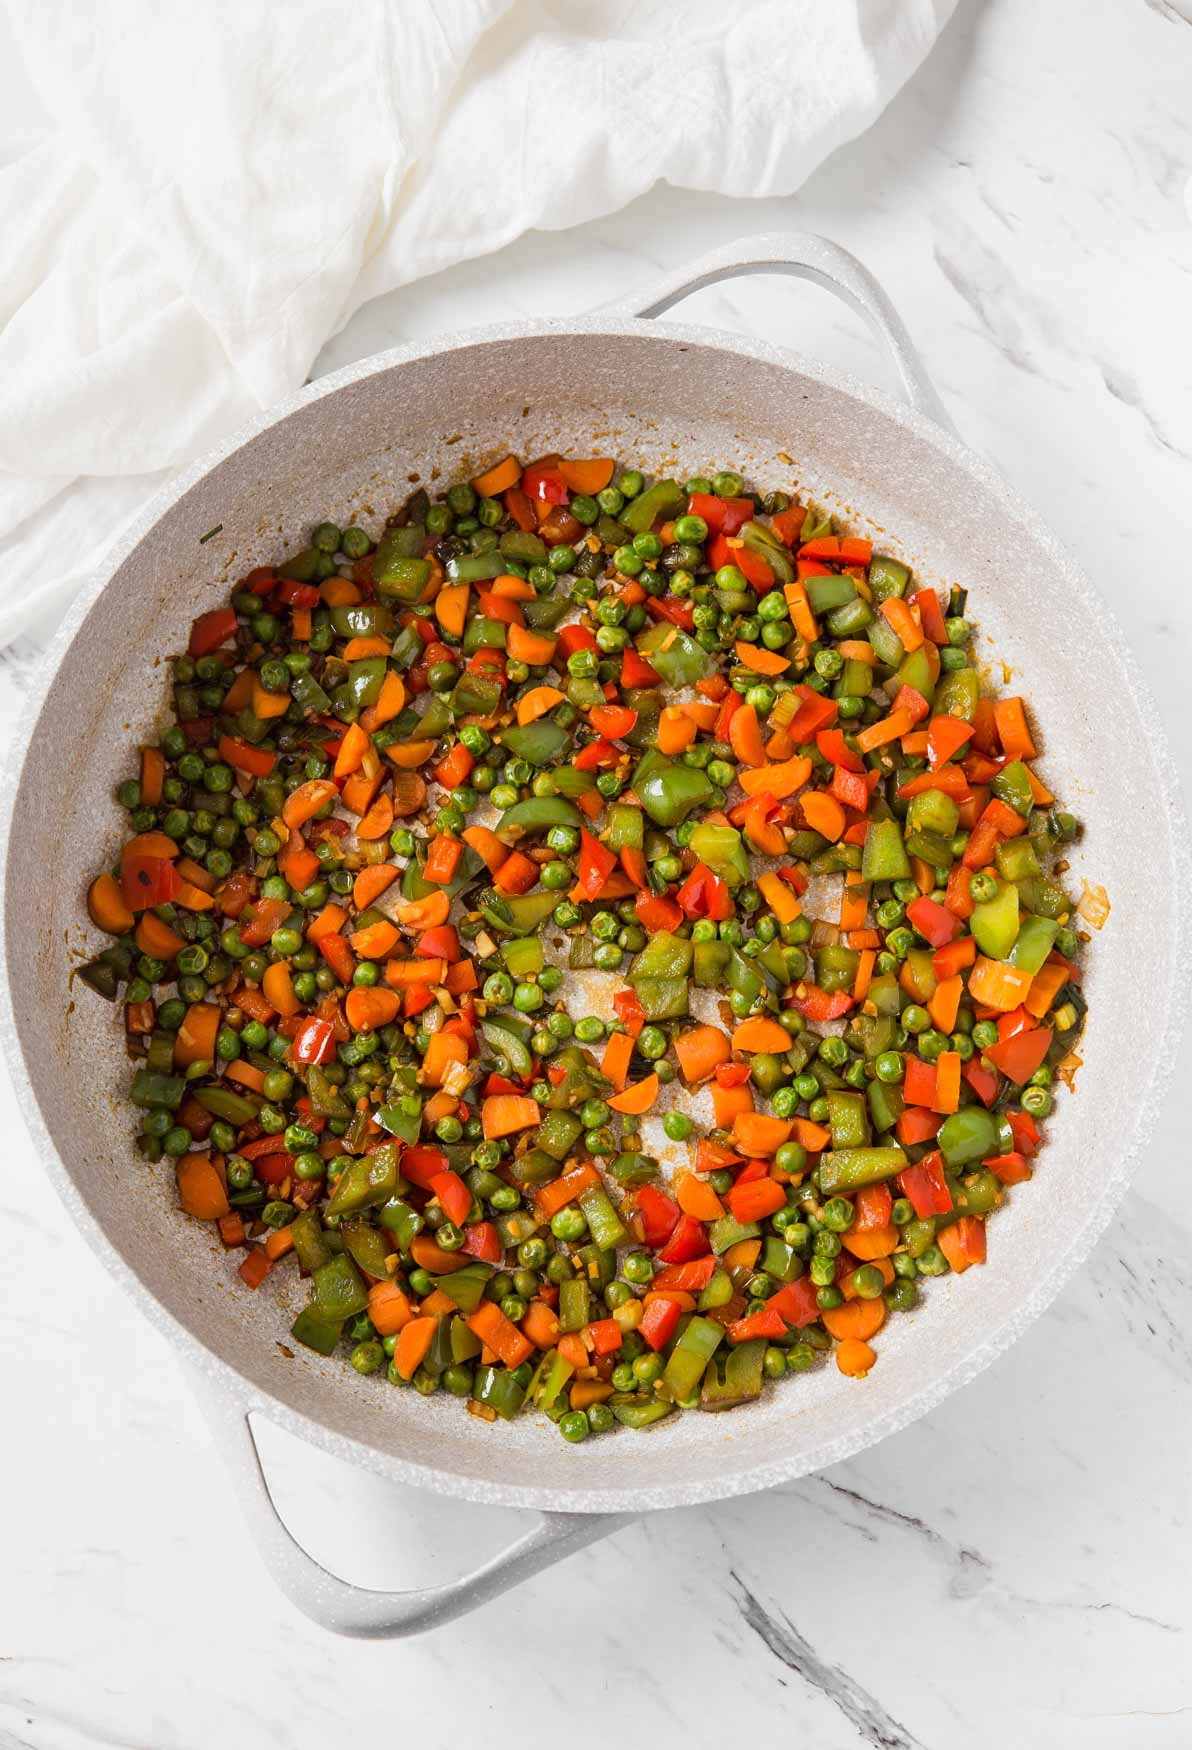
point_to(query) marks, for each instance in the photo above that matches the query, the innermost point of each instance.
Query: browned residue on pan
(1066, 1069)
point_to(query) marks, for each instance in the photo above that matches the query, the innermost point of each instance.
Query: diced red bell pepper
(1026, 1132)
(595, 754)
(636, 671)
(815, 1004)
(852, 789)
(925, 1186)
(659, 1217)
(268, 915)
(733, 1075)
(672, 608)
(314, 1042)
(963, 1242)
(606, 1336)
(704, 895)
(1021, 1055)
(482, 1241)
(297, 595)
(147, 881)
(689, 1278)
(831, 744)
(211, 630)
(613, 721)
(573, 638)
(629, 1011)
(544, 481)
(1011, 1169)
(274, 1169)
(796, 1302)
(815, 713)
(917, 1124)
(935, 923)
(908, 699)
(689, 1240)
(453, 1195)
(656, 912)
(767, 1323)
(658, 1322)
(931, 616)
(596, 863)
(724, 516)
(421, 1165)
(439, 943)
(840, 549)
(982, 1081)
(918, 1083)
(945, 738)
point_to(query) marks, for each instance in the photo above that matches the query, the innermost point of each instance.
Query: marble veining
(1014, 1569)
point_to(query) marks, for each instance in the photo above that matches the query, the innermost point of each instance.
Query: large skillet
(675, 398)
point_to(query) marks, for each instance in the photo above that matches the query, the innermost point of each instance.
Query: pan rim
(644, 1496)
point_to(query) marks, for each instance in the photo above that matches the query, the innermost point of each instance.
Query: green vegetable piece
(636, 1410)
(538, 814)
(848, 1120)
(852, 1168)
(466, 1285)
(884, 856)
(722, 849)
(1036, 939)
(314, 1330)
(664, 499)
(674, 654)
(694, 1348)
(366, 1180)
(994, 922)
(339, 1290)
(972, 1134)
(607, 1229)
(734, 1379)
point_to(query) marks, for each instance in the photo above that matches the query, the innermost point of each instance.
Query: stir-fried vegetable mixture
(683, 736)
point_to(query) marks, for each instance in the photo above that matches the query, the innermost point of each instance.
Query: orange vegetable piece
(424, 914)
(811, 1136)
(153, 772)
(156, 938)
(492, 850)
(823, 814)
(537, 702)
(413, 1343)
(534, 648)
(760, 1034)
(700, 1049)
(500, 1334)
(587, 478)
(390, 703)
(541, 1325)
(779, 780)
(615, 1062)
(997, 984)
(499, 478)
(636, 1099)
(368, 1008)
(376, 941)
(758, 1136)
(857, 1320)
(408, 754)
(106, 907)
(194, 1041)
(444, 1050)
(872, 1243)
(352, 750)
(372, 881)
(339, 592)
(745, 735)
(200, 1188)
(305, 802)
(730, 1103)
(696, 1197)
(963, 1243)
(854, 1358)
(451, 607)
(389, 1308)
(505, 1114)
(676, 730)
(781, 899)
(378, 822)
(761, 660)
(329, 922)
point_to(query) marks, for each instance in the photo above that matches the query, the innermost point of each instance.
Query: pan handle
(804, 256)
(359, 1611)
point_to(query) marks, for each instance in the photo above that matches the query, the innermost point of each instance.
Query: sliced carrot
(499, 478)
(505, 1114)
(589, 477)
(488, 847)
(696, 1197)
(305, 802)
(106, 907)
(780, 898)
(857, 1320)
(194, 1041)
(779, 780)
(760, 1034)
(413, 1344)
(869, 1244)
(541, 1325)
(745, 736)
(376, 941)
(758, 1135)
(373, 880)
(329, 922)
(500, 1334)
(761, 660)
(153, 773)
(424, 914)
(408, 754)
(247, 1075)
(854, 1358)
(537, 702)
(823, 814)
(676, 731)
(356, 649)
(278, 1243)
(811, 1136)
(700, 1049)
(156, 938)
(200, 1188)
(368, 1008)
(530, 647)
(389, 1308)
(998, 985)
(615, 1062)
(390, 703)
(514, 589)
(352, 750)
(339, 592)
(444, 1051)
(636, 1099)
(728, 1104)
(278, 986)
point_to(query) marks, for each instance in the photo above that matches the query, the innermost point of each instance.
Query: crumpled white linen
(210, 191)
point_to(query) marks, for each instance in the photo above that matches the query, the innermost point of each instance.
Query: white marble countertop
(1013, 1570)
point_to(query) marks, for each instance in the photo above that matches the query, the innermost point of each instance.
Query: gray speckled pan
(675, 398)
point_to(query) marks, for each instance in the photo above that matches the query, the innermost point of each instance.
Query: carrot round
(413, 1342)
(499, 478)
(587, 477)
(700, 1049)
(200, 1188)
(758, 1135)
(823, 814)
(371, 882)
(157, 938)
(531, 647)
(759, 1034)
(870, 1244)
(745, 735)
(537, 702)
(194, 1041)
(379, 819)
(854, 1358)
(389, 1308)
(779, 780)
(106, 907)
(857, 1319)
(305, 802)
(636, 1099)
(760, 660)
(368, 1008)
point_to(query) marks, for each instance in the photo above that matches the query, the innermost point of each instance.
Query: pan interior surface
(674, 401)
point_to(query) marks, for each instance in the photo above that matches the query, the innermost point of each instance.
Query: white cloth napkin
(211, 191)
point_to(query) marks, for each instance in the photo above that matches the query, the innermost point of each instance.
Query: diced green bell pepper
(994, 922)
(849, 1169)
(1036, 939)
(884, 857)
(339, 1290)
(848, 1120)
(722, 849)
(664, 499)
(739, 1381)
(607, 1229)
(366, 1180)
(694, 1348)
